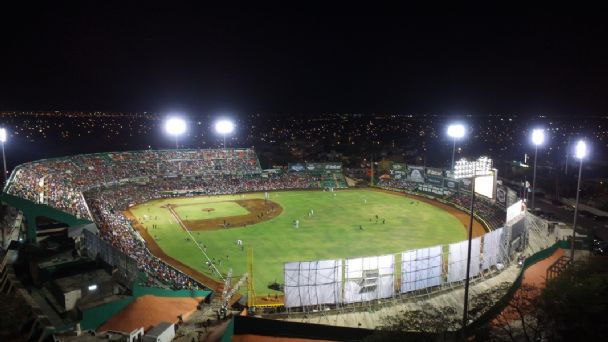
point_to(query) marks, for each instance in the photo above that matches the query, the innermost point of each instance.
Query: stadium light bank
(223, 127)
(3, 140)
(465, 169)
(175, 126)
(456, 131)
(538, 138)
(580, 152)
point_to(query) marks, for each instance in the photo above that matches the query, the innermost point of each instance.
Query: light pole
(580, 153)
(464, 169)
(455, 131)
(538, 137)
(224, 127)
(175, 126)
(3, 140)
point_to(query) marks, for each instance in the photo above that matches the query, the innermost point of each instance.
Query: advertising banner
(416, 173)
(466, 184)
(296, 167)
(437, 181)
(501, 195)
(399, 167)
(333, 166)
(434, 172)
(451, 184)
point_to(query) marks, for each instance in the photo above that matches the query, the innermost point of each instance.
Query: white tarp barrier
(491, 247)
(369, 278)
(457, 260)
(514, 210)
(421, 268)
(312, 282)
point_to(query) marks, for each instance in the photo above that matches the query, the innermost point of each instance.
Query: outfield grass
(332, 232)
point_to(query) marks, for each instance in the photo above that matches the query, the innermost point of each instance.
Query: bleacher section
(100, 186)
(59, 182)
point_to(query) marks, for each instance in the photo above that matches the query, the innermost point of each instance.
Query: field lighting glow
(224, 126)
(175, 126)
(456, 131)
(581, 149)
(3, 135)
(538, 136)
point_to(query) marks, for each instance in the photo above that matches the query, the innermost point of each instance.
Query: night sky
(298, 61)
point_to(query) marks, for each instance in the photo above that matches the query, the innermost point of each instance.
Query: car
(601, 218)
(601, 248)
(550, 216)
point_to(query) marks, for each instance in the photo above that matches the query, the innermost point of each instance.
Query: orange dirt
(259, 211)
(534, 275)
(147, 311)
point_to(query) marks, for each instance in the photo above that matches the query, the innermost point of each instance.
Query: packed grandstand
(99, 187)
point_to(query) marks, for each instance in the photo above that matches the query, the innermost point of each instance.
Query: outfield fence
(321, 285)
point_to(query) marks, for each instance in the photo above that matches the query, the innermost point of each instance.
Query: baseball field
(289, 226)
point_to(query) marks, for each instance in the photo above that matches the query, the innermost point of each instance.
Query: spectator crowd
(101, 186)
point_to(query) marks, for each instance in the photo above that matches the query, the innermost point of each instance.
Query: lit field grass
(197, 211)
(332, 232)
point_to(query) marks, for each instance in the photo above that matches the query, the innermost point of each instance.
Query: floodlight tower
(223, 127)
(456, 131)
(175, 126)
(538, 138)
(465, 169)
(3, 140)
(580, 153)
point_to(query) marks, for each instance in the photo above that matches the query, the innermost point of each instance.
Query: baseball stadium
(284, 243)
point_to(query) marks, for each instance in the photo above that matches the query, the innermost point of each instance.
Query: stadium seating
(100, 186)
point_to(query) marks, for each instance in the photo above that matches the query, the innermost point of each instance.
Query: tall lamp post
(3, 140)
(538, 137)
(224, 127)
(456, 131)
(464, 169)
(580, 153)
(175, 127)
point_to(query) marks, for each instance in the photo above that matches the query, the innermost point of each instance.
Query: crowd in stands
(402, 183)
(107, 205)
(491, 213)
(111, 182)
(60, 182)
(116, 229)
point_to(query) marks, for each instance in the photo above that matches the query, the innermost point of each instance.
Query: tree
(429, 323)
(520, 320)
(576, 302)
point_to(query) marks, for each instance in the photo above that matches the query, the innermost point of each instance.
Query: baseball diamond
(391, 223)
